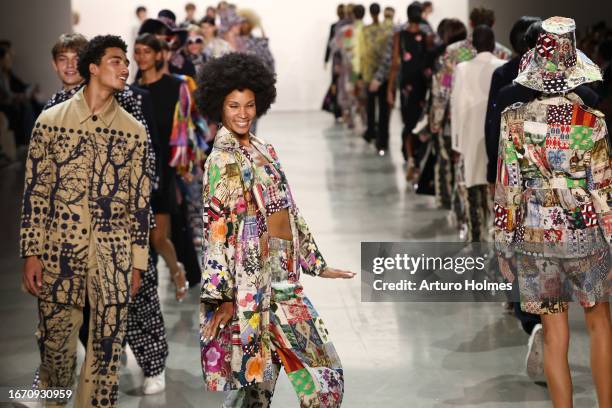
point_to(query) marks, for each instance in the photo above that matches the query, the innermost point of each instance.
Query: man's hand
(32, 275)
(333, 273)
(136, 279)
(374, 85)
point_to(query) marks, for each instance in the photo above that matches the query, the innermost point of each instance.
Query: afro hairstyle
(235, 71)
(93, 52)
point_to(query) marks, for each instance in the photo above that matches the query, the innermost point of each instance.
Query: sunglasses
(195, 40)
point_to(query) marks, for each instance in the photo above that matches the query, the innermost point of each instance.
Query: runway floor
(394, 354)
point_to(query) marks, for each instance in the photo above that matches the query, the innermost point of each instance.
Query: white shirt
(469, 98)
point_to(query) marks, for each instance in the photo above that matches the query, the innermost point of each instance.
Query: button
(94, 118)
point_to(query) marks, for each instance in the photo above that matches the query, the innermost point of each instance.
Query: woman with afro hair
(254, 316)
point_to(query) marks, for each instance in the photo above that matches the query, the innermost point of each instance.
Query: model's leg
(556, 366)
(477, 219)
(382, 141)
(57, 335)
(160, 238)
(600, 331)
(146, 333)
(99, 379)
(299, 334)
(370, 132)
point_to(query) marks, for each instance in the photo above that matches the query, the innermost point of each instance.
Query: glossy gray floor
(394, 354)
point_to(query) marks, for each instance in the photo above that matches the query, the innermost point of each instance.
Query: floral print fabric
(236, 263)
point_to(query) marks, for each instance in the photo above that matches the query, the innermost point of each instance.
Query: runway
(394, 354)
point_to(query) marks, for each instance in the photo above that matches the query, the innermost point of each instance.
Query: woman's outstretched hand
(222, 316)
(332, 273)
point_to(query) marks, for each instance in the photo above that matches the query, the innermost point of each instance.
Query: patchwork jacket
(554, 181)
(86, 195)
(236, 266)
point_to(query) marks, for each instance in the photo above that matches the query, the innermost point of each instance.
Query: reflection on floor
(394, 354)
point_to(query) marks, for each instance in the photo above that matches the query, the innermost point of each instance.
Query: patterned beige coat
(86, 184)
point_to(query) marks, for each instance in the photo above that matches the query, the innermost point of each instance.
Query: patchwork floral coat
(554, 185)
(236, 266)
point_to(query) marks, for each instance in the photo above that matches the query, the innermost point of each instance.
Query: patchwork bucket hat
(555, 65)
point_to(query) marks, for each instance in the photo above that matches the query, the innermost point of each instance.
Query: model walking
(254, 316)
(85, 225)
(552, 206)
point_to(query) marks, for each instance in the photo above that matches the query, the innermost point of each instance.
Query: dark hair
(341, 11)
(517, 33)
(482, 16)
(69, 42)
(483, 38)
(442, 27)
(207, 20)
(190, 6)
(427, 4)
(414, 11)
(532, 34)
(6, 44)
(140, 9)
(455, 31)
(231, 72)
(150, 40)
(359, 11)
(374, 9)
(93, 52)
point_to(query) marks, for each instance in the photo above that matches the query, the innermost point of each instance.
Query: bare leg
(600, 330)
(556, 366)
(164, 246)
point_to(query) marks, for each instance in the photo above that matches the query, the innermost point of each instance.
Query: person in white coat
(469, 95)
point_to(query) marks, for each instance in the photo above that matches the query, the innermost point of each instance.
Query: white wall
(297, 30)
(33, 26)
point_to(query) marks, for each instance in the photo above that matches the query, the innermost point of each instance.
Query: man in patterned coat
(85, 224)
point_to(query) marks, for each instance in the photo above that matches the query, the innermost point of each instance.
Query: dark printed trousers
(412, 100)
(443, 170)
(476, 203)
(146, 333)
(57, 336)
(378, 127)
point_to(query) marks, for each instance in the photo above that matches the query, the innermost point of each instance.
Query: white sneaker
(154, 385)
(534, 361)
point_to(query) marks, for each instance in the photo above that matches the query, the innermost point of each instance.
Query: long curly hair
(231, 72)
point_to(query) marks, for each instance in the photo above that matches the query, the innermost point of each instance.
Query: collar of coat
(226, 140)
(107, 115)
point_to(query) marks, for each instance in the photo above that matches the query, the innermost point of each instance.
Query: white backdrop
(297, 30)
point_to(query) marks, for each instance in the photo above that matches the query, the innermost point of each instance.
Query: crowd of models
(512, 143)
(509, 142)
